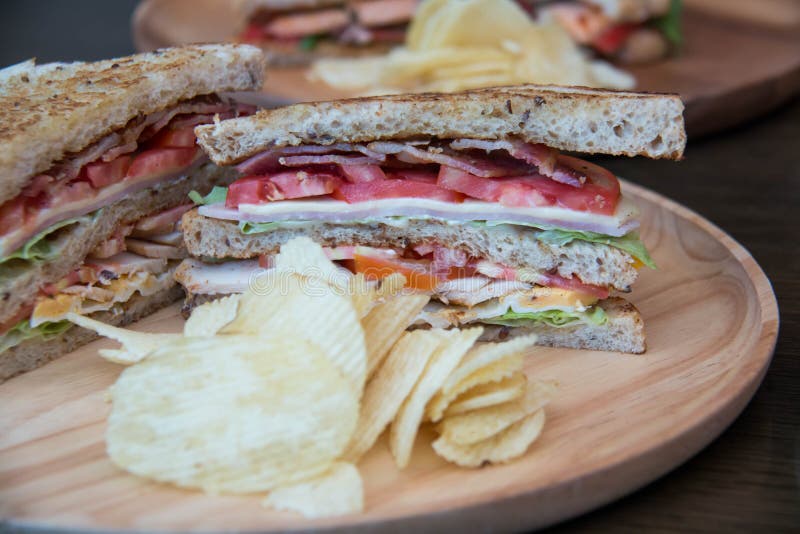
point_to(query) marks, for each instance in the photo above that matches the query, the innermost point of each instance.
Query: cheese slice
(82, 300)
(329, 210)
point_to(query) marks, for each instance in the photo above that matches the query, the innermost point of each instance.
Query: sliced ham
(484, 167)
(301, 24)
(149, 249)
(542, 157)
(384, 12)
(127, 263)
(301, 161)
(268, 160)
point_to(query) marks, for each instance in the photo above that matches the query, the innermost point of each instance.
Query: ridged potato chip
(231, 414)
(386, 322)
(285, 304)
(306, 258)
(483, 364)
(453, 345)
(209, 318)
(507, 445)
(479, 425)
(391, 385)
(339, 491)
(367, 294)
(137, 345)
(490, 394)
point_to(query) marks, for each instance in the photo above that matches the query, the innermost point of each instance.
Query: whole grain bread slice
(513, 246)
(48, 111)
(623, 332)
(34, 353)
(20, 282)
(567, 118)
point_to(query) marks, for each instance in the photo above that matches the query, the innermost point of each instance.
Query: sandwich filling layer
(507, 190)
(140, 257)
(352, 23)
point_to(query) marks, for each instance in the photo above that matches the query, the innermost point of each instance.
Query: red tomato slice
(418, 273)
(600, 194)
(414, 175)
(251, 190)
(362, 173)
(301, 184)
(101, 173)
(161, 161)
(574, 284)
(613, 38)
(511, 192)
(253, 33)
(379, 189)
(175, 138)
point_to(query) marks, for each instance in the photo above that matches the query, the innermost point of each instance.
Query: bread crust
(21, 286)
(624, 331)
(34, 353)
(49, 111)
(567, 118)
(513, 246)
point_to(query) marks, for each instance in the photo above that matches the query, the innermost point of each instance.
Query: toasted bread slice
(49, 111)
(594, 263)
(566, 118)
(34, 353)
(20, 285)
(624, 331)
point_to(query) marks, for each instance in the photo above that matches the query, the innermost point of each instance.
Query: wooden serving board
(736, 63)
(618, 422)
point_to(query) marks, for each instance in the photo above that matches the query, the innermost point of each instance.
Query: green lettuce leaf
(670, 24)
(309, 42)
(556, 318)
(23, 332)
(39, 248)
(248, 228)
(216, 196)
(629, 243)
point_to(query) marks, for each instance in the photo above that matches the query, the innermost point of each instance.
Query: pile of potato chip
(453, 45)
(282, 389)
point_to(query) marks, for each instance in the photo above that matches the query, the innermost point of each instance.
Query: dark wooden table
(746, 180)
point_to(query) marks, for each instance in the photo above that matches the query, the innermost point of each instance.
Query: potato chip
(303, 256)
(367, 294)
(478, 425)
(209, 318)
(305, 308)
(391, 385)
(489, 394)
(507, 445)
(453, 345)
(480, 357)
(339, 491)
(384, 325)
(233, 414)
(137, 345)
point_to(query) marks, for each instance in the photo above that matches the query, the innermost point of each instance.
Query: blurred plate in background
(739, 59)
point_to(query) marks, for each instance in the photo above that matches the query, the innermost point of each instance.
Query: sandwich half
(294, 32)
(467, 194)
(97, 160)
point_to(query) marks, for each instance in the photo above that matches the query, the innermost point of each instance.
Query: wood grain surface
(617, 423)
(739, 59)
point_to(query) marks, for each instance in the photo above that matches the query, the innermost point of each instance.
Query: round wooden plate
(734, 66)
(618, 422)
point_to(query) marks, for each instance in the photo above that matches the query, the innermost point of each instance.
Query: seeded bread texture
(20, 282)
(567, 118)
(624, 331)
(510, 245)
(34, 353)
(49, 111)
